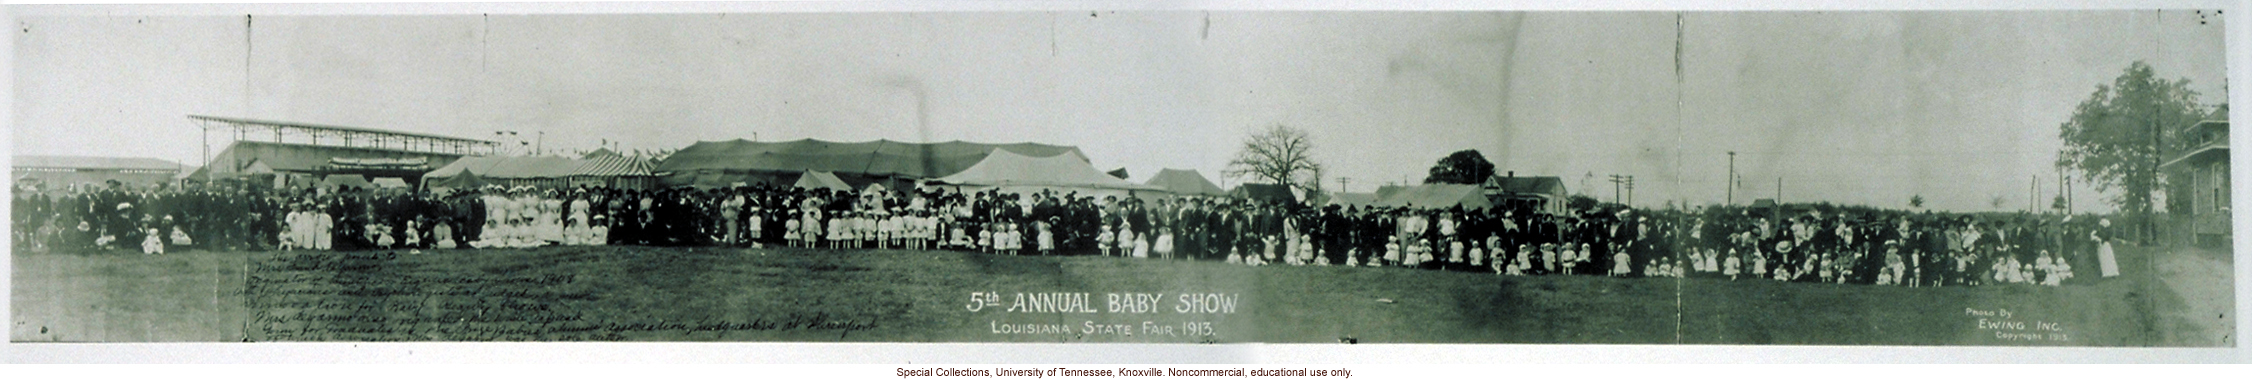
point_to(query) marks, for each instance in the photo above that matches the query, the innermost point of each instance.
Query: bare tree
(1280, 155)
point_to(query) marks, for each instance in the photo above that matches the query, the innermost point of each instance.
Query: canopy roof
(1436, 195)
(1184, 182)
(352, 136)
(1005, 168)
(873, 158)
(543, 167)
(377, 163)
(822, 180)
(330, 128)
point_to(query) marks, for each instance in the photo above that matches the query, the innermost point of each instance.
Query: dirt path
(2201, 307)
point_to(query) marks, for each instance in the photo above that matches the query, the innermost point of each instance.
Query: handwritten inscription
(386, 296)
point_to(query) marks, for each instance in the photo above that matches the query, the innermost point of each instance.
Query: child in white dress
(1046, 236)
(758, 226)
(152, 244)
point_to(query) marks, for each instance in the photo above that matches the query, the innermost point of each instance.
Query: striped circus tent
(612, 166)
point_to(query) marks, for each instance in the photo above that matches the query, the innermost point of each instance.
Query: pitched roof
(1536, 185)
(92, 162)
(875, 158)
(1184, 182)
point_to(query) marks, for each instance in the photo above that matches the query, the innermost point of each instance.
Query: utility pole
(1341, 183)
(1617, 182)
(1630, 191)
(1731, 178)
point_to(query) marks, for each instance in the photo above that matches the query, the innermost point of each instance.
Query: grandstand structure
(294, 152)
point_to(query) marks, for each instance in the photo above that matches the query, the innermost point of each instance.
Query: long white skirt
(2108, 259)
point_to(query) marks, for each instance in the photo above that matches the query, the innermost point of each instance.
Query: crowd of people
(1875, 247)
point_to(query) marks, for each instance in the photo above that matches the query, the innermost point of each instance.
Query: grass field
(703, 294)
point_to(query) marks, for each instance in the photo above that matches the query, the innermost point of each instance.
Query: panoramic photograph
(1893, 178)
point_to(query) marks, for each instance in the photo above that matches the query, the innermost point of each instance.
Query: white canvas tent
(1185, 182)
(814, 179)
(1015, 173)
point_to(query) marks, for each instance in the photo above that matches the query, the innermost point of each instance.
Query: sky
(1869, 108)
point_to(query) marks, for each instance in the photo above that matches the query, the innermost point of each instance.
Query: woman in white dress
(322, 224)
(2106, 258)
(496, 216)
(501, 220)
(552, 219)
(598, 233)
(512, 227)
(1446, 234)
(521, 211)
(730, 214)
(293, 228)
(578, 231)
(535, 217)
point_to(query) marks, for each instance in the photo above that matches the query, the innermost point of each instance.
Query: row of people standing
(1877, 247)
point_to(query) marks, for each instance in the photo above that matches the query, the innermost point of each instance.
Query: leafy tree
(1278, 154)
(1916, 201)
(2115, 137)
(1580, 202)
(1463, 167)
